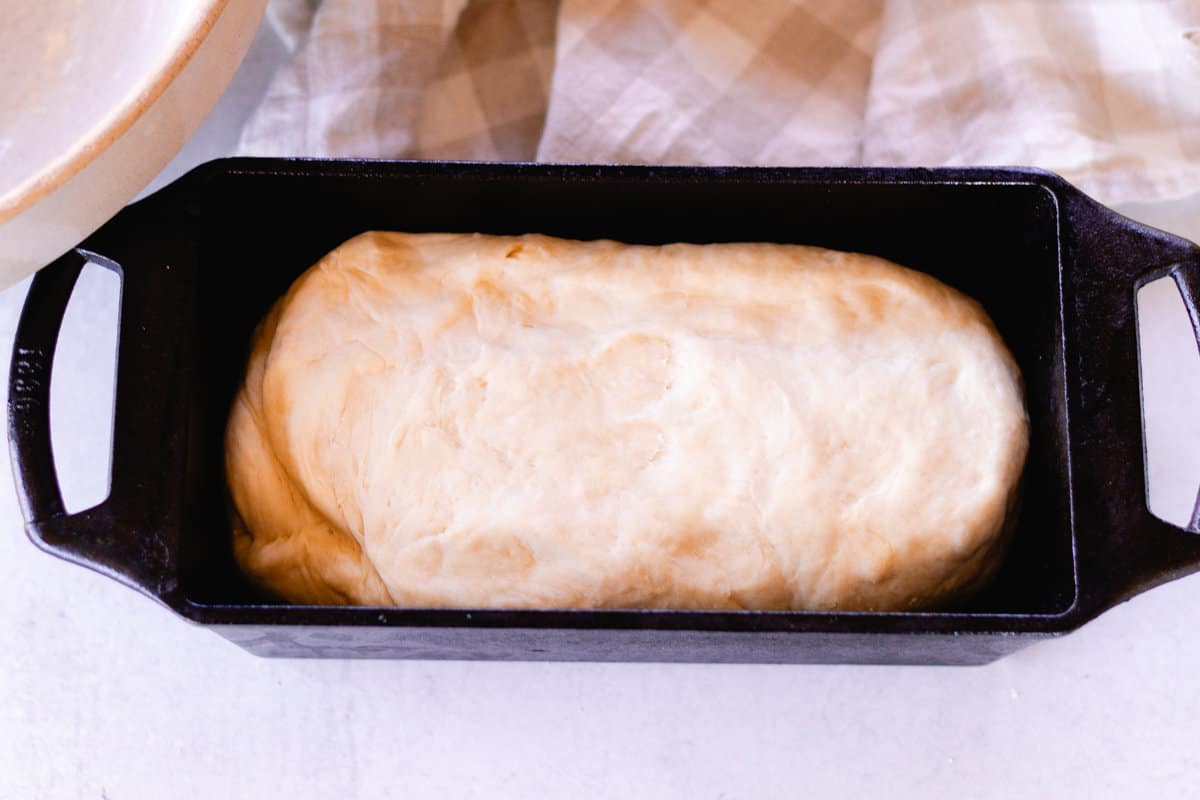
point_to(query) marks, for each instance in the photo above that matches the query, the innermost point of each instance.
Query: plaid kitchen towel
(1105, 92)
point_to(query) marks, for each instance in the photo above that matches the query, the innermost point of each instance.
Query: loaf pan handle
(95, 538)
(1186, 275)
(132, 536)
(34, 344)
(1120, 547)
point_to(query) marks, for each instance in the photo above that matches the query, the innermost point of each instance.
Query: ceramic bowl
(95, 98)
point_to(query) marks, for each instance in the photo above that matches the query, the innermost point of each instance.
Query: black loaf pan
(202, 260)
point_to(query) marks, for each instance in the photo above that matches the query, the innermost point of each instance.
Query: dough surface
(483, 421)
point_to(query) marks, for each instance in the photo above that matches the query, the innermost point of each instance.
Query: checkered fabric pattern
(1106, 92)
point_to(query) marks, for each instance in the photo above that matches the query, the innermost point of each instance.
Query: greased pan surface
(203, 259)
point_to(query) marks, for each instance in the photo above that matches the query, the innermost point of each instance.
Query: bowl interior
(997, 242)
(73, 72)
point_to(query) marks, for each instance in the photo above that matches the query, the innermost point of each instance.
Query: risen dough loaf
(468, 420)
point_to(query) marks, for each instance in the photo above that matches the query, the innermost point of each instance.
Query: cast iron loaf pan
(201, 261)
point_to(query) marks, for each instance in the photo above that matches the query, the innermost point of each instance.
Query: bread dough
(487, 421)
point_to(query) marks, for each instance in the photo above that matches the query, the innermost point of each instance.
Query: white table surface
(103, 694)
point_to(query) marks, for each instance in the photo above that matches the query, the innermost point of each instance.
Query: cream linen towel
(1105, 92)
